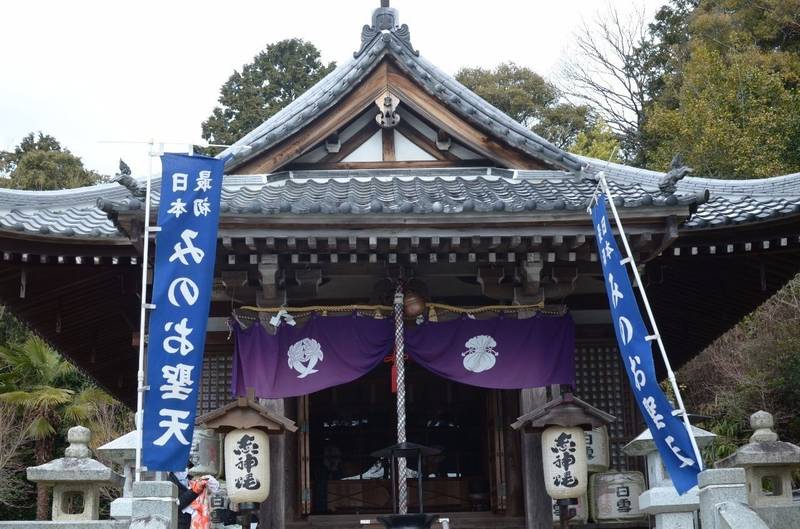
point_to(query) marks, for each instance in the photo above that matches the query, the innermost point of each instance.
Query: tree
(52, 392)
(40, 163)
(274, 79)
(612, 72)
(12, 438)
(735, 116)
(529, 99)
(598, 142)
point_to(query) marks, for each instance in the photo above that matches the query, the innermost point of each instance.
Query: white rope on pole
(670, 373)
(140, 387)
(399, 362)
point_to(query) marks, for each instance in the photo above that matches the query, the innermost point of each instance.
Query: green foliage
(756, 365)
(597, 142)
(41, 163)
(728, 100)
(529, 99)
(736, 117)
(275, 78)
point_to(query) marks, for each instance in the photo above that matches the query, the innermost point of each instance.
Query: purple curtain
(499, 352)
(326, 351)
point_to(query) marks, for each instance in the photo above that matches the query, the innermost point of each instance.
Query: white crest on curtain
(480, 354)
(304, 355)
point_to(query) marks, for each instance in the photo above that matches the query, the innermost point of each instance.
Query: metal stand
(140, 386)
(565, 514)
(400, 452)
(247, 510)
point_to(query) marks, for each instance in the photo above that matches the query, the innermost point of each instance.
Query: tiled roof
(75, 213)
(82, 213)
(730, 201)
(448, 191)
(68, 213)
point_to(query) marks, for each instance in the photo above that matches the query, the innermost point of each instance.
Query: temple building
(389, 169)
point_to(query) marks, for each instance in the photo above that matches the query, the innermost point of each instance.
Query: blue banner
(669, 432)
(183, 274)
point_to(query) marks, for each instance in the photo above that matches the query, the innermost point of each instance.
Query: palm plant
(38, 380)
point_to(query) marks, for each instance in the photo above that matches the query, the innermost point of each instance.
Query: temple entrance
(349, 422)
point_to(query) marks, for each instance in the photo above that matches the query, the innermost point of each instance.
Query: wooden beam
(354, 142)
(317, 130)
(433, 111)
(422, 164)
(387, 137)
(422, 141)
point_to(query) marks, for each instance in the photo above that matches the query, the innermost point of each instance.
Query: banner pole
(656, 334)
(140, 387)
(399, 362)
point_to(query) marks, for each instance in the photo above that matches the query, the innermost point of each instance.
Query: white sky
(91, 72)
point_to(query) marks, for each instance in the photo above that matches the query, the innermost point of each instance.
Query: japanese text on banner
(668, 431)
(183, 273)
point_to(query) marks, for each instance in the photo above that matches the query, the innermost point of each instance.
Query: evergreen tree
(529, 99)
(277, 76)
(40, 163)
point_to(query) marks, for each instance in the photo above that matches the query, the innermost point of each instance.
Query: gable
(387, 65)
(363, 143)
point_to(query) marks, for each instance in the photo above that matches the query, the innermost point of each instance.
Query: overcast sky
(93, 72)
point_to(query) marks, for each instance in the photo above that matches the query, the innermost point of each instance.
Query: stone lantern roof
(76, 465)
(764, 448)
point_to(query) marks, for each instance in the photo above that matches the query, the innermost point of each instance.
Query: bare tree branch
(604, 71)
(13, 436)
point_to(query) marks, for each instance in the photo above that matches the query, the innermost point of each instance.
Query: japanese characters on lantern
(247, 465)
(564, 461)
(183, 275)
(669, 432)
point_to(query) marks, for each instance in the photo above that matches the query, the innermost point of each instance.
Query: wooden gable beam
(422, 141)
(353, 143)
(433, 111)
(362, 96)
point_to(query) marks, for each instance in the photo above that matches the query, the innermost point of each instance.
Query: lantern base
(565, 514)
(248, 508)
(408, 521)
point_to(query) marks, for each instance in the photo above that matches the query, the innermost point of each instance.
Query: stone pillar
(155, 505)
(719, 486)
(538, 505)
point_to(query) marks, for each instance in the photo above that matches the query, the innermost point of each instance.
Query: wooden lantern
(413, 304)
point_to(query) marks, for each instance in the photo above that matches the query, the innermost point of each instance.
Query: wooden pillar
(515, 504)
(273, 511)
(538, 505)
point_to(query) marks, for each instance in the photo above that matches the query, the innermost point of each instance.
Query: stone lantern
(768, 464)
(247, 426)
(672, 511)
(122, 451)
(562, 423)
(76, 479)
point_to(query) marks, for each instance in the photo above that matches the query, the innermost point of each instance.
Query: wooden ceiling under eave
(86, 311)
(711, 279)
